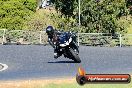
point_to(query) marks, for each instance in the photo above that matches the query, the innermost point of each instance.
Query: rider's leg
(57, 53)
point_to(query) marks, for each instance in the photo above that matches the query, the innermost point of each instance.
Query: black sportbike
(67, 46)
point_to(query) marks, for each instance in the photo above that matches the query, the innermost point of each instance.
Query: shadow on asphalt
(62, 62)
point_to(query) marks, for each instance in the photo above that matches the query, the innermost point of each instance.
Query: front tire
(75, 56)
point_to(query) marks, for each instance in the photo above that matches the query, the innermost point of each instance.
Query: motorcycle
(68, 47)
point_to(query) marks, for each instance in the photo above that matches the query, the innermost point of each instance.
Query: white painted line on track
(3, 67)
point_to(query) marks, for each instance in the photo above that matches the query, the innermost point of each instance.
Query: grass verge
(56, 83)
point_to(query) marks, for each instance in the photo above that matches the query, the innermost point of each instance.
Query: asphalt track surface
(35, 61)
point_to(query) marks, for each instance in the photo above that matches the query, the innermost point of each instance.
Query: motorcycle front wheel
(75, 56)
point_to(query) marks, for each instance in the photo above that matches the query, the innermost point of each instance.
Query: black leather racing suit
(52, 39)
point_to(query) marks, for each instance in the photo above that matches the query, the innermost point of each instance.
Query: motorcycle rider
(52, 39)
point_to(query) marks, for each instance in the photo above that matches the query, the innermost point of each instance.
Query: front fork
(75, 47)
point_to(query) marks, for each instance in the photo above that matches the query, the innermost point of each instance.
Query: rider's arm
(58, 32)
(51, 42)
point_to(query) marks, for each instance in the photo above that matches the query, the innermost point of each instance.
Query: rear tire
(75, 56)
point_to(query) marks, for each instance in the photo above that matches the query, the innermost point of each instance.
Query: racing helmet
(49, 30)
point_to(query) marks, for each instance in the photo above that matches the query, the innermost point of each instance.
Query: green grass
(130, 29)
(127, 23)
(128, 39)
(75, 85)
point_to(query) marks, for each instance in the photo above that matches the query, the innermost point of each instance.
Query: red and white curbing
(4, 67)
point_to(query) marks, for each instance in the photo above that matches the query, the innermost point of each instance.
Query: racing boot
(56, 55)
